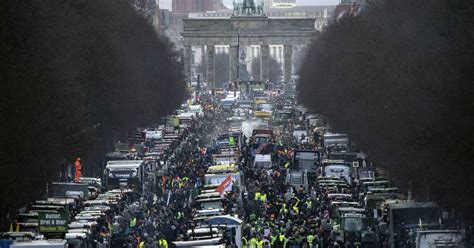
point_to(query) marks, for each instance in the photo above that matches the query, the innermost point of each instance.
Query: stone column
(187, 63)
(203, 60)
(234, 62)
(288, 54)
(211, 69)
(264, 63)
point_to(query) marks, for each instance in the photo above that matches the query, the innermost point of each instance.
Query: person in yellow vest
(163, 243)
(263, 197)
(283, 240)
(142, 244)
(309, 204)
(273, 238)
(179, 215)
(244, 242)
(253, 242)
(296, 210)
(283, 208)
(257, 196)
(133, 222)
(310, 239)
(260, 243)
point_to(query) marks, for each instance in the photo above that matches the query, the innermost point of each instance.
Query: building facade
(283, 3)
(182, 8)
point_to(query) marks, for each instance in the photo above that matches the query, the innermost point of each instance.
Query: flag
(225, 186)
(260, 148)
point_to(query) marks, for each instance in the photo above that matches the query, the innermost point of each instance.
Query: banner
(225, 186)
(53, 222)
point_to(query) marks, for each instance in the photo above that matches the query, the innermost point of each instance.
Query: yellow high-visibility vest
(257, 196)
(163, 243)
(133, 222)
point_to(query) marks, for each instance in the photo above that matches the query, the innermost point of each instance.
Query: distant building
(164, 18)
(283, 3)
(187, 6)
(181, 9)
(157, 18)
(321, 13)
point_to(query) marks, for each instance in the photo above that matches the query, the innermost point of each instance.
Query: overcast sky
(166, 4)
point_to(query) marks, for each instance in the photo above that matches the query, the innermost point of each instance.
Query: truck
(262, 161)
(440, 238)
(407, 218)
(124, 173)
(337, 169)
(60, 189)
(306, 160)
(336, 140)
(354, 230)
(50, 243)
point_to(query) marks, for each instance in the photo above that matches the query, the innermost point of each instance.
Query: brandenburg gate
(248, 26)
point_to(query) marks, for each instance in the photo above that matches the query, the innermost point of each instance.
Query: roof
(263, 158)
(224, 219)
(413, 205)
(39, 243)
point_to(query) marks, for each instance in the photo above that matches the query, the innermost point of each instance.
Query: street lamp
(238, 55)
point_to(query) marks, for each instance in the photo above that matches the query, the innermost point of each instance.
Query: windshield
(306, 164)
(262, 164)
(365, 174)
(123, 173)
(352, 224)
(261, 140)
(76, 243)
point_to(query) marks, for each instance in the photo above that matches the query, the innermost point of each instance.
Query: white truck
(440, 238)
(124, 173)
(50, 243)
(263, 161)
(337, 169)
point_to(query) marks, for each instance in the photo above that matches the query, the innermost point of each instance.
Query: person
(260, 243)
(310, 240)
(253, 242)
(244, 241)
(163, 243)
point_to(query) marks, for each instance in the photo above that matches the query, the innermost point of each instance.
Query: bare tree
(145, 8)
(403, 92)
(75, 74)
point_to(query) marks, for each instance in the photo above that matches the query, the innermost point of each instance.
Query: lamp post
(238, 55)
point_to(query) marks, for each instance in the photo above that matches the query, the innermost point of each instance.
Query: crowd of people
(164, 213)
(275, 213)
